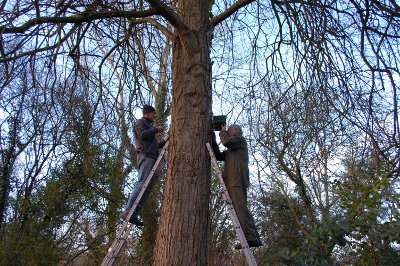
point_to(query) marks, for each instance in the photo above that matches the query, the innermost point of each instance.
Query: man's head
(149, 112)
(234, 130)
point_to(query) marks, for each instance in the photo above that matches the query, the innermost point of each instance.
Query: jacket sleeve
(145, 133)
(162, 143)
(233, 142)
(218, 154)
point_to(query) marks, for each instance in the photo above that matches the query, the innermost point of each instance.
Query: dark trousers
(145, 164)
(238, 196)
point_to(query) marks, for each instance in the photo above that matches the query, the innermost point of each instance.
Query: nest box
(218, 122)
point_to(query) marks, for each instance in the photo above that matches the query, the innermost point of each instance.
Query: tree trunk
(151, 210)
(6, 165)
(182, 235)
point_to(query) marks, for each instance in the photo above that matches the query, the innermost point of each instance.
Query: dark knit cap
(148, 108)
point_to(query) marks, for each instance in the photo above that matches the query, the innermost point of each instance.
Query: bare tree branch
(78, 19)
(394, 11)
(168, 13)
(36, 51)
(157, 25)
(232, 9)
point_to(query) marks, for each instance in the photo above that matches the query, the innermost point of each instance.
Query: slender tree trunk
(151, 210)
(182, 235)
(6, 165)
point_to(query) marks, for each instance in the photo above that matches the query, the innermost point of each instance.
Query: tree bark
(182, 235)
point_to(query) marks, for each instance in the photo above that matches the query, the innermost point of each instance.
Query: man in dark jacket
(147, 147)
(236, 178)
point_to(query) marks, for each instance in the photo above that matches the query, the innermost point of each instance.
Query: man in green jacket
(236, 178)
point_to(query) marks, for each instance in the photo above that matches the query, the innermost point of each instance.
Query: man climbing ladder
(236, 177)
(147, 148)
(231, 210)
(120, 241)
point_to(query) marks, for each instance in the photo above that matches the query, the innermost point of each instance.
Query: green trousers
(238, 196)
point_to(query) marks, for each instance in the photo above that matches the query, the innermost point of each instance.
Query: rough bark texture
(182, 235)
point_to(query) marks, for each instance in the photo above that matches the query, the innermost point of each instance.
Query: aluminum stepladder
(251, 261)
(119, 243)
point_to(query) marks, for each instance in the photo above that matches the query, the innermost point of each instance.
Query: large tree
(182, 236)
(312, 77)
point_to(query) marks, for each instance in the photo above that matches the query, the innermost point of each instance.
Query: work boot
(133, 220)
(252, 244)
(136, 221)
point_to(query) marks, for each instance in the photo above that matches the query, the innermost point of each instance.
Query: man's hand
(223, 127)
(160, 128)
